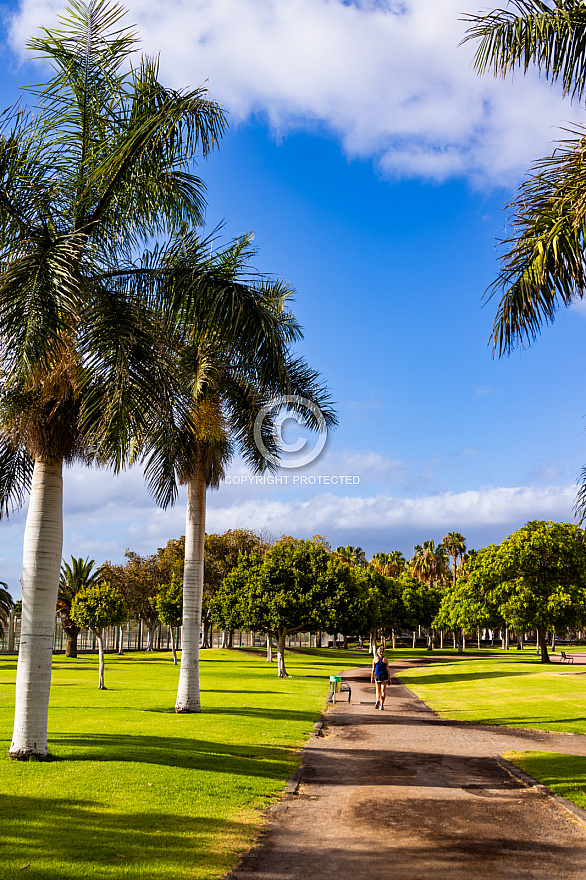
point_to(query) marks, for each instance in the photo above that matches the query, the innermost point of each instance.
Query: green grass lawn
(515, 689)
(136, 791)
(504, 687)
(564, 774)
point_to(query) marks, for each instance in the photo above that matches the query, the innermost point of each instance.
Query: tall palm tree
(90, 177)
(232, 379)
(455, 546)
(73, 578)
(543, 265)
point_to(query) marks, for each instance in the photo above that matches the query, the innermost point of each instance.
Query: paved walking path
(403, 795)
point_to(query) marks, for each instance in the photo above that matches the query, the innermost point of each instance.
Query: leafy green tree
(221, 555)
(89, 177)
(471, 603)
(351, 607)
(74, 577)
(168, 603)
(538, 577)
(97, 607)
(288, 590)
(421, 602)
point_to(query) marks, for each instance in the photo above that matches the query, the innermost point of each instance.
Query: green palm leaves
(543, 261)
(543, 266)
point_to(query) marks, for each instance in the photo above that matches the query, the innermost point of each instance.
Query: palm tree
(91, 176)
(389, 564)
(429, 563)
(543, 266)
(352, 556)
(6, 606)
(74, 577)
(455, 546)
(232, 379)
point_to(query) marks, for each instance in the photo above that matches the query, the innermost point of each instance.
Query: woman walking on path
(381, 676)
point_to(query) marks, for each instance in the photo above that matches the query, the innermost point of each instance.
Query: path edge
(576, 812)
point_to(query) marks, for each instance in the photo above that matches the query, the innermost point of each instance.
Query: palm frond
(543, 267)
(552, 37)
(16, 473)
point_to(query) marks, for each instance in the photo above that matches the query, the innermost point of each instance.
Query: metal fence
(134, 638)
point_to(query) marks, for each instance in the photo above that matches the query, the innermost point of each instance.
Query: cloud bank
(387, 78)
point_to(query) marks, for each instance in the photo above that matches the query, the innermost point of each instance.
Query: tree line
(535, 580)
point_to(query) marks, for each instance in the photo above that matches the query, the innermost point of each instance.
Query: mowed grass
(504, 687)
(136, 791)
(516, 690)
(564, 774)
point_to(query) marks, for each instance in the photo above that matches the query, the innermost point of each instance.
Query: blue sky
(373, 165)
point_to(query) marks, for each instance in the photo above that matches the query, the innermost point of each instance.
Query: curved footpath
(403, 795)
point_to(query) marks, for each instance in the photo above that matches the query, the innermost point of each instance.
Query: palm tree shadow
(104, 838)
(273, 762)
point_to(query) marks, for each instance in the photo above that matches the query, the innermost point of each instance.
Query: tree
(6, 606)
(421, 602)
(97, 607)
(455, 546)
(74, 577)
(221, 555)
(471, 602)
(89, 178)
(390, 564)
(429, 564)
(353, 556)
(351, 608)
(538, 577)
(168, 603)
(543, 266)
(234, 381)
(288, 590)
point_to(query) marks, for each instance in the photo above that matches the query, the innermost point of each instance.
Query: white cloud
(326, 511)
(388, 78)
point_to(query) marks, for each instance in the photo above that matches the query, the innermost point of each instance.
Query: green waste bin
(335, 685)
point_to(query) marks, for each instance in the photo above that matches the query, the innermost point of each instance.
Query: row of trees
(124, 337)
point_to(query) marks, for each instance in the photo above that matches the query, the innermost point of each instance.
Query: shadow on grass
(271, 762)
(442, 678)
(74, 839)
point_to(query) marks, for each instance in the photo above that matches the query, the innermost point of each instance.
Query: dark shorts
(383, 679)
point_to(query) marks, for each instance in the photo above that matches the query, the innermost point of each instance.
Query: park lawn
(499, 687)
(565, 775)
(136, 791)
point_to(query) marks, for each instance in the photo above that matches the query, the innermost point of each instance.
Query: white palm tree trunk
(188, 690)
(43, 544)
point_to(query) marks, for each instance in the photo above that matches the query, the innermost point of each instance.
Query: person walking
(380, 676)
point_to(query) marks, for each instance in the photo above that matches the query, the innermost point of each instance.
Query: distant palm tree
(74, 577)
(455, 546)
(353, 556)
(388, 564)
(6, 606)
(429, 564)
